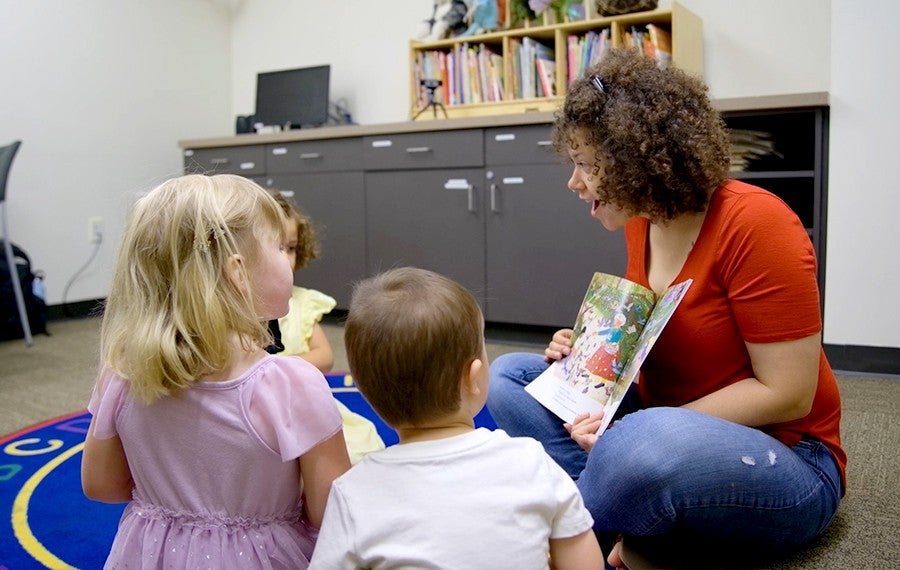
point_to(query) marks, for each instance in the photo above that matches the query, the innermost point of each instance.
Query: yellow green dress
(306, 308)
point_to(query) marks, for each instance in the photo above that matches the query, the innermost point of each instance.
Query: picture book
(617, 325)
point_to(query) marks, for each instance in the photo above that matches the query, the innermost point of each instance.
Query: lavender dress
(217, 481)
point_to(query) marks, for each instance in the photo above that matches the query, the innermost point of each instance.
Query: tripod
(430, 85)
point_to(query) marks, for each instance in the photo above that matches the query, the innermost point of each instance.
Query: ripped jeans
(680, 475)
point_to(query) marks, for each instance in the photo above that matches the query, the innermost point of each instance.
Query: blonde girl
(225, 453)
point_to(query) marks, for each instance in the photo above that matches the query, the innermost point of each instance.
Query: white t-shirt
(478, 500)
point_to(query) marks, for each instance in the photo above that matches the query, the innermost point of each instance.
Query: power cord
(65, 294)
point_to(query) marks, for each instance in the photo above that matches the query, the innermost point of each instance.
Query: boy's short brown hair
(410, 334)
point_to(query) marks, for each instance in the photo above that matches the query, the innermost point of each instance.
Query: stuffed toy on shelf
(448, 19)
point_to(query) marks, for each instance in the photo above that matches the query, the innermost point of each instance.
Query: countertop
(793, 100)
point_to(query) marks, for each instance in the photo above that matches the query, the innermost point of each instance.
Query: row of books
(584, 50)
(534, 69)
(474, 73)
(468, 74)
(654, 41)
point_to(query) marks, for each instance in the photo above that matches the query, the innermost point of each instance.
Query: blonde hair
(307, 245)
(172, 311)
(409, 335)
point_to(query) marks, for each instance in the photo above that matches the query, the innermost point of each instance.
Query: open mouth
(594, 205)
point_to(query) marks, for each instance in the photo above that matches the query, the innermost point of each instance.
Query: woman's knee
(647, 449)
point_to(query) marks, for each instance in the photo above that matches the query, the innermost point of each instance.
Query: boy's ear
(470, 378)
(235, 271)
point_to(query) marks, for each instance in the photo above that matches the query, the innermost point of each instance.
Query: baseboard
(869, 359)
(77, 310)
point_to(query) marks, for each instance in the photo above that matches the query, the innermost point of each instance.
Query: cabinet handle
(218, 161)
(504, 137)
(247, 165)
(418, 149)
(494, 199)
(309, 155)
(278, 151)
(462, 184)
(544, 143)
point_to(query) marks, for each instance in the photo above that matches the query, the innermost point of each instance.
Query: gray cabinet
(425, 204)
(336, 203)
(542, 244)
(247, 160)
(430, 218)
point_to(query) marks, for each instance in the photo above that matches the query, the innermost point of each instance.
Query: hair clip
(595, 80)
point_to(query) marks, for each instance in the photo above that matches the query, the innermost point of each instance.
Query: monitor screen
(293, 98)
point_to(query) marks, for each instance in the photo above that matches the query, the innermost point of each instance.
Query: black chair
(6, 157)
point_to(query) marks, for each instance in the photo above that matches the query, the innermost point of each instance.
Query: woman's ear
(235, 272)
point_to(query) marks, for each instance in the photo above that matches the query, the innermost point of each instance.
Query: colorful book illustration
(617, 325)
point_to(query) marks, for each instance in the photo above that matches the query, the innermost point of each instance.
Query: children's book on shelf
(617, 325)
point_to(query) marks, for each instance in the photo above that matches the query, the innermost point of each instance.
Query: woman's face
(587, 184)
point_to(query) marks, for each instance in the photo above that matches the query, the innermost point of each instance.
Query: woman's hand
(560, 345)
(583, 429)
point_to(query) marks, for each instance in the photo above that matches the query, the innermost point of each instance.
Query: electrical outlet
(95, 230)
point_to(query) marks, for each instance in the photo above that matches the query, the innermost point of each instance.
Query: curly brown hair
(307, 245)
(663, 147)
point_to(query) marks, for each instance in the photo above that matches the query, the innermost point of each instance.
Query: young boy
(448, 495)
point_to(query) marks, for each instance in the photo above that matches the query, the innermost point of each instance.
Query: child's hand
(583, 429)
(560, 345)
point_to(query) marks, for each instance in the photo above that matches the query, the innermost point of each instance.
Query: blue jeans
(672, 472)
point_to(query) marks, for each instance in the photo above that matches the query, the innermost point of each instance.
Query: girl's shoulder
(109, 396)
(289, 404)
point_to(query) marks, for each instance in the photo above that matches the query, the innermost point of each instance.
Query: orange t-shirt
(754, 272)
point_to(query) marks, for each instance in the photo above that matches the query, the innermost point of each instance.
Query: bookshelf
(482, 74)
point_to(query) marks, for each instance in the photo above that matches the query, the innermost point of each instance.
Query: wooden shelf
(429, 60)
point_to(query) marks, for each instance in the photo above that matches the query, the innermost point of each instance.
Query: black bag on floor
(35, 306)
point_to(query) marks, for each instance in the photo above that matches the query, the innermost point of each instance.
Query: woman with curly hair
(728, 448)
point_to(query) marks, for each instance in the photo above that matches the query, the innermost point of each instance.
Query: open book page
(617, 324)
(661, 314)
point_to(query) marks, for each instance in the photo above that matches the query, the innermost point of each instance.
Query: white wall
(99, 91)
(105, 89)
(863, 265)
(366, 43)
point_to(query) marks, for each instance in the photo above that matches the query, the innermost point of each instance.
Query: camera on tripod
(430, 86)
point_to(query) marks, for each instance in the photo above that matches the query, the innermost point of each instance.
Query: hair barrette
(595, 80)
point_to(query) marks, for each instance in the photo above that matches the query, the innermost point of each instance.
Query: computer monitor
(293, 98)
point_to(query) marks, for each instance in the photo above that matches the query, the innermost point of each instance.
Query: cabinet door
(335, 202)
(432, 219)
(543, 246)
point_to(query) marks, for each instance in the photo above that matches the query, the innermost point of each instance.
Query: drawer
(424, 150)
(314, 156)
(243, 160)
(519, 145)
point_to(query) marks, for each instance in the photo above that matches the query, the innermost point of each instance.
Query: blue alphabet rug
(46, 521)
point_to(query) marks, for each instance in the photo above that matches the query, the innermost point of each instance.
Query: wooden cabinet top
(795, 100)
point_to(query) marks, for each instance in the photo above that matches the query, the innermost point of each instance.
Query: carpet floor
(53, 379)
